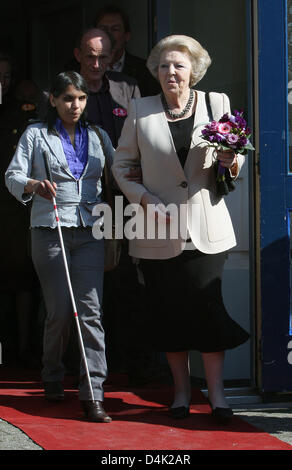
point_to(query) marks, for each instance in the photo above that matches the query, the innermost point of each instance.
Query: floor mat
(140, 421)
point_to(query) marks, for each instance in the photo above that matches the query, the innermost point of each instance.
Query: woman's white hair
(199, 57)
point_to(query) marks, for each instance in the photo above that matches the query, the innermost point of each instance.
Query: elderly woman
(77, 161)
(182, 273)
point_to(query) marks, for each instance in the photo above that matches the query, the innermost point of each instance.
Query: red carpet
(140, 421)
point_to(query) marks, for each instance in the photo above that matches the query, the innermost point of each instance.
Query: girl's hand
(42, 188)
(46, 189)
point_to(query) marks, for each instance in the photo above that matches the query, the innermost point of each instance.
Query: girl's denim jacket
(75, 198)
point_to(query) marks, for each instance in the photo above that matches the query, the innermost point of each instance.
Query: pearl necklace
(183, 112)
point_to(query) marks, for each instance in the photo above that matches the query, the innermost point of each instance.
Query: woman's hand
(227, 158)
(153, 204)
(135, 174)
(42, 188)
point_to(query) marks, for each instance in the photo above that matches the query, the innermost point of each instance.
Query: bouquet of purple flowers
(230, 132)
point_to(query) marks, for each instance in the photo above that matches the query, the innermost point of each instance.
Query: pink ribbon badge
(120, 112)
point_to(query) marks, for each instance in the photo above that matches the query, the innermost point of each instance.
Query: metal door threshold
(240, 396)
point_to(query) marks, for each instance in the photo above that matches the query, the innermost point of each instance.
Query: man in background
(123, 301)
(111, 92)
(114, 20)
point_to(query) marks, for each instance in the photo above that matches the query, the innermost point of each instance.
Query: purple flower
(213, 126)
(211, 138)
(219, 137)
(232, 119)
(238, 119)
(232, 139)
(224, 118)
(242, 141)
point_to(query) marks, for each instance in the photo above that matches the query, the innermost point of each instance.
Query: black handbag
(112, 246)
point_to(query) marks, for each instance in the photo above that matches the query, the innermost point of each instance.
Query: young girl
(76, 160)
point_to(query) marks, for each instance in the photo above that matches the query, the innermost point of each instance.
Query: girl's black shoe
(54, 391)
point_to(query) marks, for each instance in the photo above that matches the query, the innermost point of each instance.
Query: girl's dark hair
(59, 86)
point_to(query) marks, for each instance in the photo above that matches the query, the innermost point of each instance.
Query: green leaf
(224, 147)
(249, 146)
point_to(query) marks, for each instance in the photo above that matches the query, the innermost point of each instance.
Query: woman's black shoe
(179, 412)
(93, 411)
(221, 415)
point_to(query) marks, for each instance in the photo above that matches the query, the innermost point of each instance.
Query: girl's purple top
(76, 156)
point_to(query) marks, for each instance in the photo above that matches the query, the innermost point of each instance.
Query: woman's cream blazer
(146, 140)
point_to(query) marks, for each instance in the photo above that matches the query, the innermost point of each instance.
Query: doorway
(52, 29)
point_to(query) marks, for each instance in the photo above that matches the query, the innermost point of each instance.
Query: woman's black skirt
(186, 309)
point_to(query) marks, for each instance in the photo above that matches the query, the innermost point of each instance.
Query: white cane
(82, 350)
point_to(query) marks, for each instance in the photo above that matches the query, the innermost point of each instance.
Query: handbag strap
(208, 104)
(210, 113)
(106, 171)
